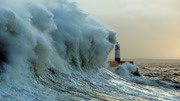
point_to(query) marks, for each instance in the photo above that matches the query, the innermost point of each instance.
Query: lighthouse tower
(117, 52)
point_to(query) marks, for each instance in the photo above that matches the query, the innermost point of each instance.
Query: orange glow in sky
(145, 28)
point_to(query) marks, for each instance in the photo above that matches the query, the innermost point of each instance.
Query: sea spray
(131, 73)
(51, 50)
(81, 40)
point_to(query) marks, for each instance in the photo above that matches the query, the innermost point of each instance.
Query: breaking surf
(53, 51)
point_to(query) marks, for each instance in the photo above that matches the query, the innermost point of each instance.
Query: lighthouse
(118, 61)
(117, 52)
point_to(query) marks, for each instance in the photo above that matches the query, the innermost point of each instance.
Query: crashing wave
(53, 51)
(131, 73)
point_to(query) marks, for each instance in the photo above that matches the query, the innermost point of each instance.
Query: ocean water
(166, 70)
(52, 51)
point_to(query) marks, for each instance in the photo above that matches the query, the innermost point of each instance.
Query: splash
(62, 37)
(51, 50)
(131, 73)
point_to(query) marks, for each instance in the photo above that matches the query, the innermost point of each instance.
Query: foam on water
(131, 73)
(51, 50)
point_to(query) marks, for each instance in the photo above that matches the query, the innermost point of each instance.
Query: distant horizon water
(149, 60)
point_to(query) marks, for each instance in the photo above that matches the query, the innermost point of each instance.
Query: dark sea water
(53, 51)
(166, 70)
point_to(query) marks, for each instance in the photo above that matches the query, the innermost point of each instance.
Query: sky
(145, 28)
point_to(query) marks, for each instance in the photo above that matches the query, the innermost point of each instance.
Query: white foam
(131, 73)
(58, 53)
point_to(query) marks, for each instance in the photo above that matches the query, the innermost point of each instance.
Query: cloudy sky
(145, 28)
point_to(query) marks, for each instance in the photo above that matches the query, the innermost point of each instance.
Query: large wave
(62, 37)
(51, 50)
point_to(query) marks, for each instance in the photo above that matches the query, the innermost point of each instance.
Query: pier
(117, 61)
(114, 64)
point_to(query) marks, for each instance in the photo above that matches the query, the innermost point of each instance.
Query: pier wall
(114, 64)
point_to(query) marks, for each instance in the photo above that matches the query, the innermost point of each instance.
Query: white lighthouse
(117, 52)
